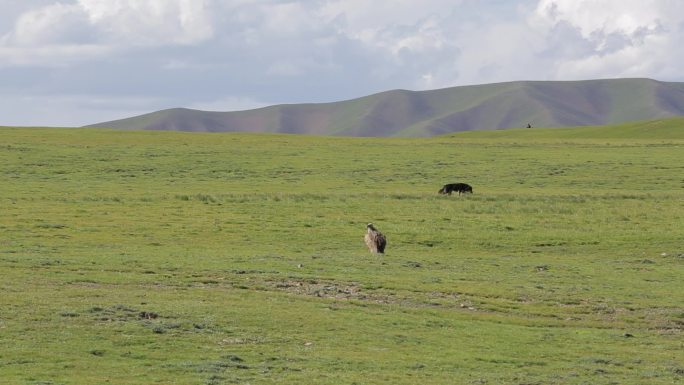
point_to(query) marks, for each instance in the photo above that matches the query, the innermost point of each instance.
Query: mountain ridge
(440, 111)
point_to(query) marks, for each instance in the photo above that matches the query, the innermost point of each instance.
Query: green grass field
(172, 258)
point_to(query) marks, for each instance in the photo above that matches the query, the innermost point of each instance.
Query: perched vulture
(375, 240)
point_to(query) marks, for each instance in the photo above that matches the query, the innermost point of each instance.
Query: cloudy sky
(75, 62)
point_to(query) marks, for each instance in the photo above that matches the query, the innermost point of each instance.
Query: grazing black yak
(459, 187)
(375, 240)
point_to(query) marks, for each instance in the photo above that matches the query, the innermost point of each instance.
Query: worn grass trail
(145, 257)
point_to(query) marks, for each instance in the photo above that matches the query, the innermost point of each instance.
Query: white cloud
(501, 52)
(595, 18)
(151, 22)
(631, 61)
(51, 25)
(622, 38)
(363, 15)
(119, 23)
(195, 52)
(404, 25)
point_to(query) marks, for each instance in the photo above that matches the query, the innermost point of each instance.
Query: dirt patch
(354, 291)
(114, 313)
(320, 289)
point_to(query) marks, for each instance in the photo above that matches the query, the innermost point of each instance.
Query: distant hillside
(662, 129)
(427, 113)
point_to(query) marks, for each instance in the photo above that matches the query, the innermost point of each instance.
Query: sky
(78, 62)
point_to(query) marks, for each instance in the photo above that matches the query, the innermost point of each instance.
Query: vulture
(375, 240)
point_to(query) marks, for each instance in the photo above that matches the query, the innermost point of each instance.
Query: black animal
(461, 188)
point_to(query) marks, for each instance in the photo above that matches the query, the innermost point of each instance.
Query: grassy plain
(175, 258)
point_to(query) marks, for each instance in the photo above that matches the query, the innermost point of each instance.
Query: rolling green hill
(428, 113)
(672, 128)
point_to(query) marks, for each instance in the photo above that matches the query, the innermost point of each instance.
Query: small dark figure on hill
(375, 240)
(529, 125)
(461, 188)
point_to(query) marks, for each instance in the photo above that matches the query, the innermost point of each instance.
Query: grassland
(175, 258)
